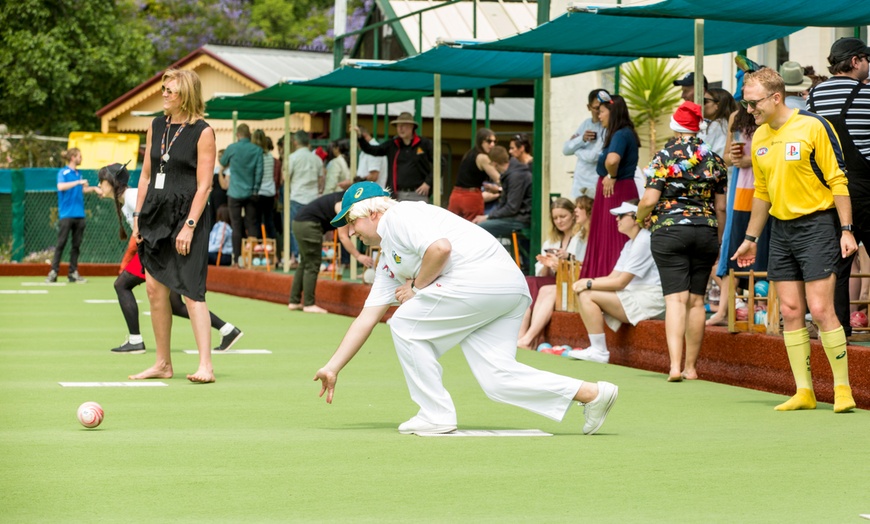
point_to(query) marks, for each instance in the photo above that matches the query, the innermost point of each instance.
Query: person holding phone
(586, 144)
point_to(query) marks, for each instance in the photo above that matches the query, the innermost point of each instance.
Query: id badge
(160, 180)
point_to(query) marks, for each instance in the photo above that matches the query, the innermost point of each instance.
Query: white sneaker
(418, 425)
(590, 354)
(596, 411)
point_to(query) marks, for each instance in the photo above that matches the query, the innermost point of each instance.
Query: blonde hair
(366, 207)
(766, 78)
(189, 90)
(567, 205)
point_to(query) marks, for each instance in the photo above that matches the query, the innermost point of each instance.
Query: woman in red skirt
(616, 168)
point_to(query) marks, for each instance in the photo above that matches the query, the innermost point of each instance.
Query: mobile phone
(551, 251)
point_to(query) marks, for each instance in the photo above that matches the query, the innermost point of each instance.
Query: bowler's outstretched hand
(327, 379)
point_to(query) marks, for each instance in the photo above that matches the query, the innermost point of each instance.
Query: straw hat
(405, 118)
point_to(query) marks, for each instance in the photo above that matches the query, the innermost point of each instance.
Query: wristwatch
(414, 287)
(611, 177)
(751, 238)
(191, 223)
(589, 284)
(847, 227)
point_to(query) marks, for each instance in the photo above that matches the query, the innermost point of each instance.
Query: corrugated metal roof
(454, 22)
(453, 108)
(270, 66)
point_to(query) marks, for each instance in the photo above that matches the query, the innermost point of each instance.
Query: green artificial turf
(260, 446)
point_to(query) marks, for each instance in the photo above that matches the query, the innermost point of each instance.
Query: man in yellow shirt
(799, 181)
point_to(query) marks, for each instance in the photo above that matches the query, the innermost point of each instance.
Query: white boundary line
(489, 433)
(233, 352)
(23, 291)
(112, 384)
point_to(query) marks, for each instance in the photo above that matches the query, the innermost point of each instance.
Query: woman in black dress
(170, 225)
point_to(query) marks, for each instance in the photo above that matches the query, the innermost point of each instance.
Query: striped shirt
(828, 98)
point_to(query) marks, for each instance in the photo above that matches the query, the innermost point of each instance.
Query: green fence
(29, 221)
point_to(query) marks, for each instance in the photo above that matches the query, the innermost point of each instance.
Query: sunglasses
(620, 216)
(491, 141)
(604, 97)
(754, 103)
(710, 101)
(164, 89)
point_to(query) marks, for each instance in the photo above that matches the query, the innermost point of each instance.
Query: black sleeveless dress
(165, 211)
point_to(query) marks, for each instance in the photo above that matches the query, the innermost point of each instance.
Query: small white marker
(23, 292)
(112, 384)
(43, 284)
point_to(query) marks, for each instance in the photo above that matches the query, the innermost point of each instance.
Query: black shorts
(804, 249)
(685, 255)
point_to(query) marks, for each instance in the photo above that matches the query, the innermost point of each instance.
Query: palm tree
(648, 87)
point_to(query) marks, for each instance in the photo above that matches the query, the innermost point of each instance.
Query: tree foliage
(178, 27)
(65, 59)
(648, 87)
(62, 60)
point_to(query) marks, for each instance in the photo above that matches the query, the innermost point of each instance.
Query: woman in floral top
(685, 192)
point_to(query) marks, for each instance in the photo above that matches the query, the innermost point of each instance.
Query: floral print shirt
(689, 175)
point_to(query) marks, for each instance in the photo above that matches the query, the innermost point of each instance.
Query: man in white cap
(842, 94)
(631, 293)
(455, 285)
(410, 159)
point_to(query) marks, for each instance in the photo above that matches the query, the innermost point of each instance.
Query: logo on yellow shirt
(793, 151)
(761, 151)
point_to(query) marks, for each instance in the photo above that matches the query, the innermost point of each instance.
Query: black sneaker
(228, 340)
(75, 278)
(52, 277)
(130, 349)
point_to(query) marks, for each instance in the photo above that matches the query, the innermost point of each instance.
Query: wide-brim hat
(624, 209)
(793, 77)
(356, 193)
(405, 118)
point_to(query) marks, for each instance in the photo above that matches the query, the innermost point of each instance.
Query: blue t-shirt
(70, 203)
(625, 145)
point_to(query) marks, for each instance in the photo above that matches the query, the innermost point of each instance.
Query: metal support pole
(699, 62)
(353, 148)
(285, 166)
(436, 143)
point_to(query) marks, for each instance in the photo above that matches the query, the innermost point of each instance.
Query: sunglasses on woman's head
(604, 97)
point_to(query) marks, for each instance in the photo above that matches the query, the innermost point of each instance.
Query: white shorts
(640, 303)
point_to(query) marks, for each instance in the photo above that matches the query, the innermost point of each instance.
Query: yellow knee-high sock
(835, 348)
(797, 345)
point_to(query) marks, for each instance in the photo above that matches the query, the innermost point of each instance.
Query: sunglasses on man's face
(752, 104)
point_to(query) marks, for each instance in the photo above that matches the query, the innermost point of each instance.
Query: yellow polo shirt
(798, 167)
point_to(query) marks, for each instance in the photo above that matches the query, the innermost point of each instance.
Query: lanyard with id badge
(165, 148)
